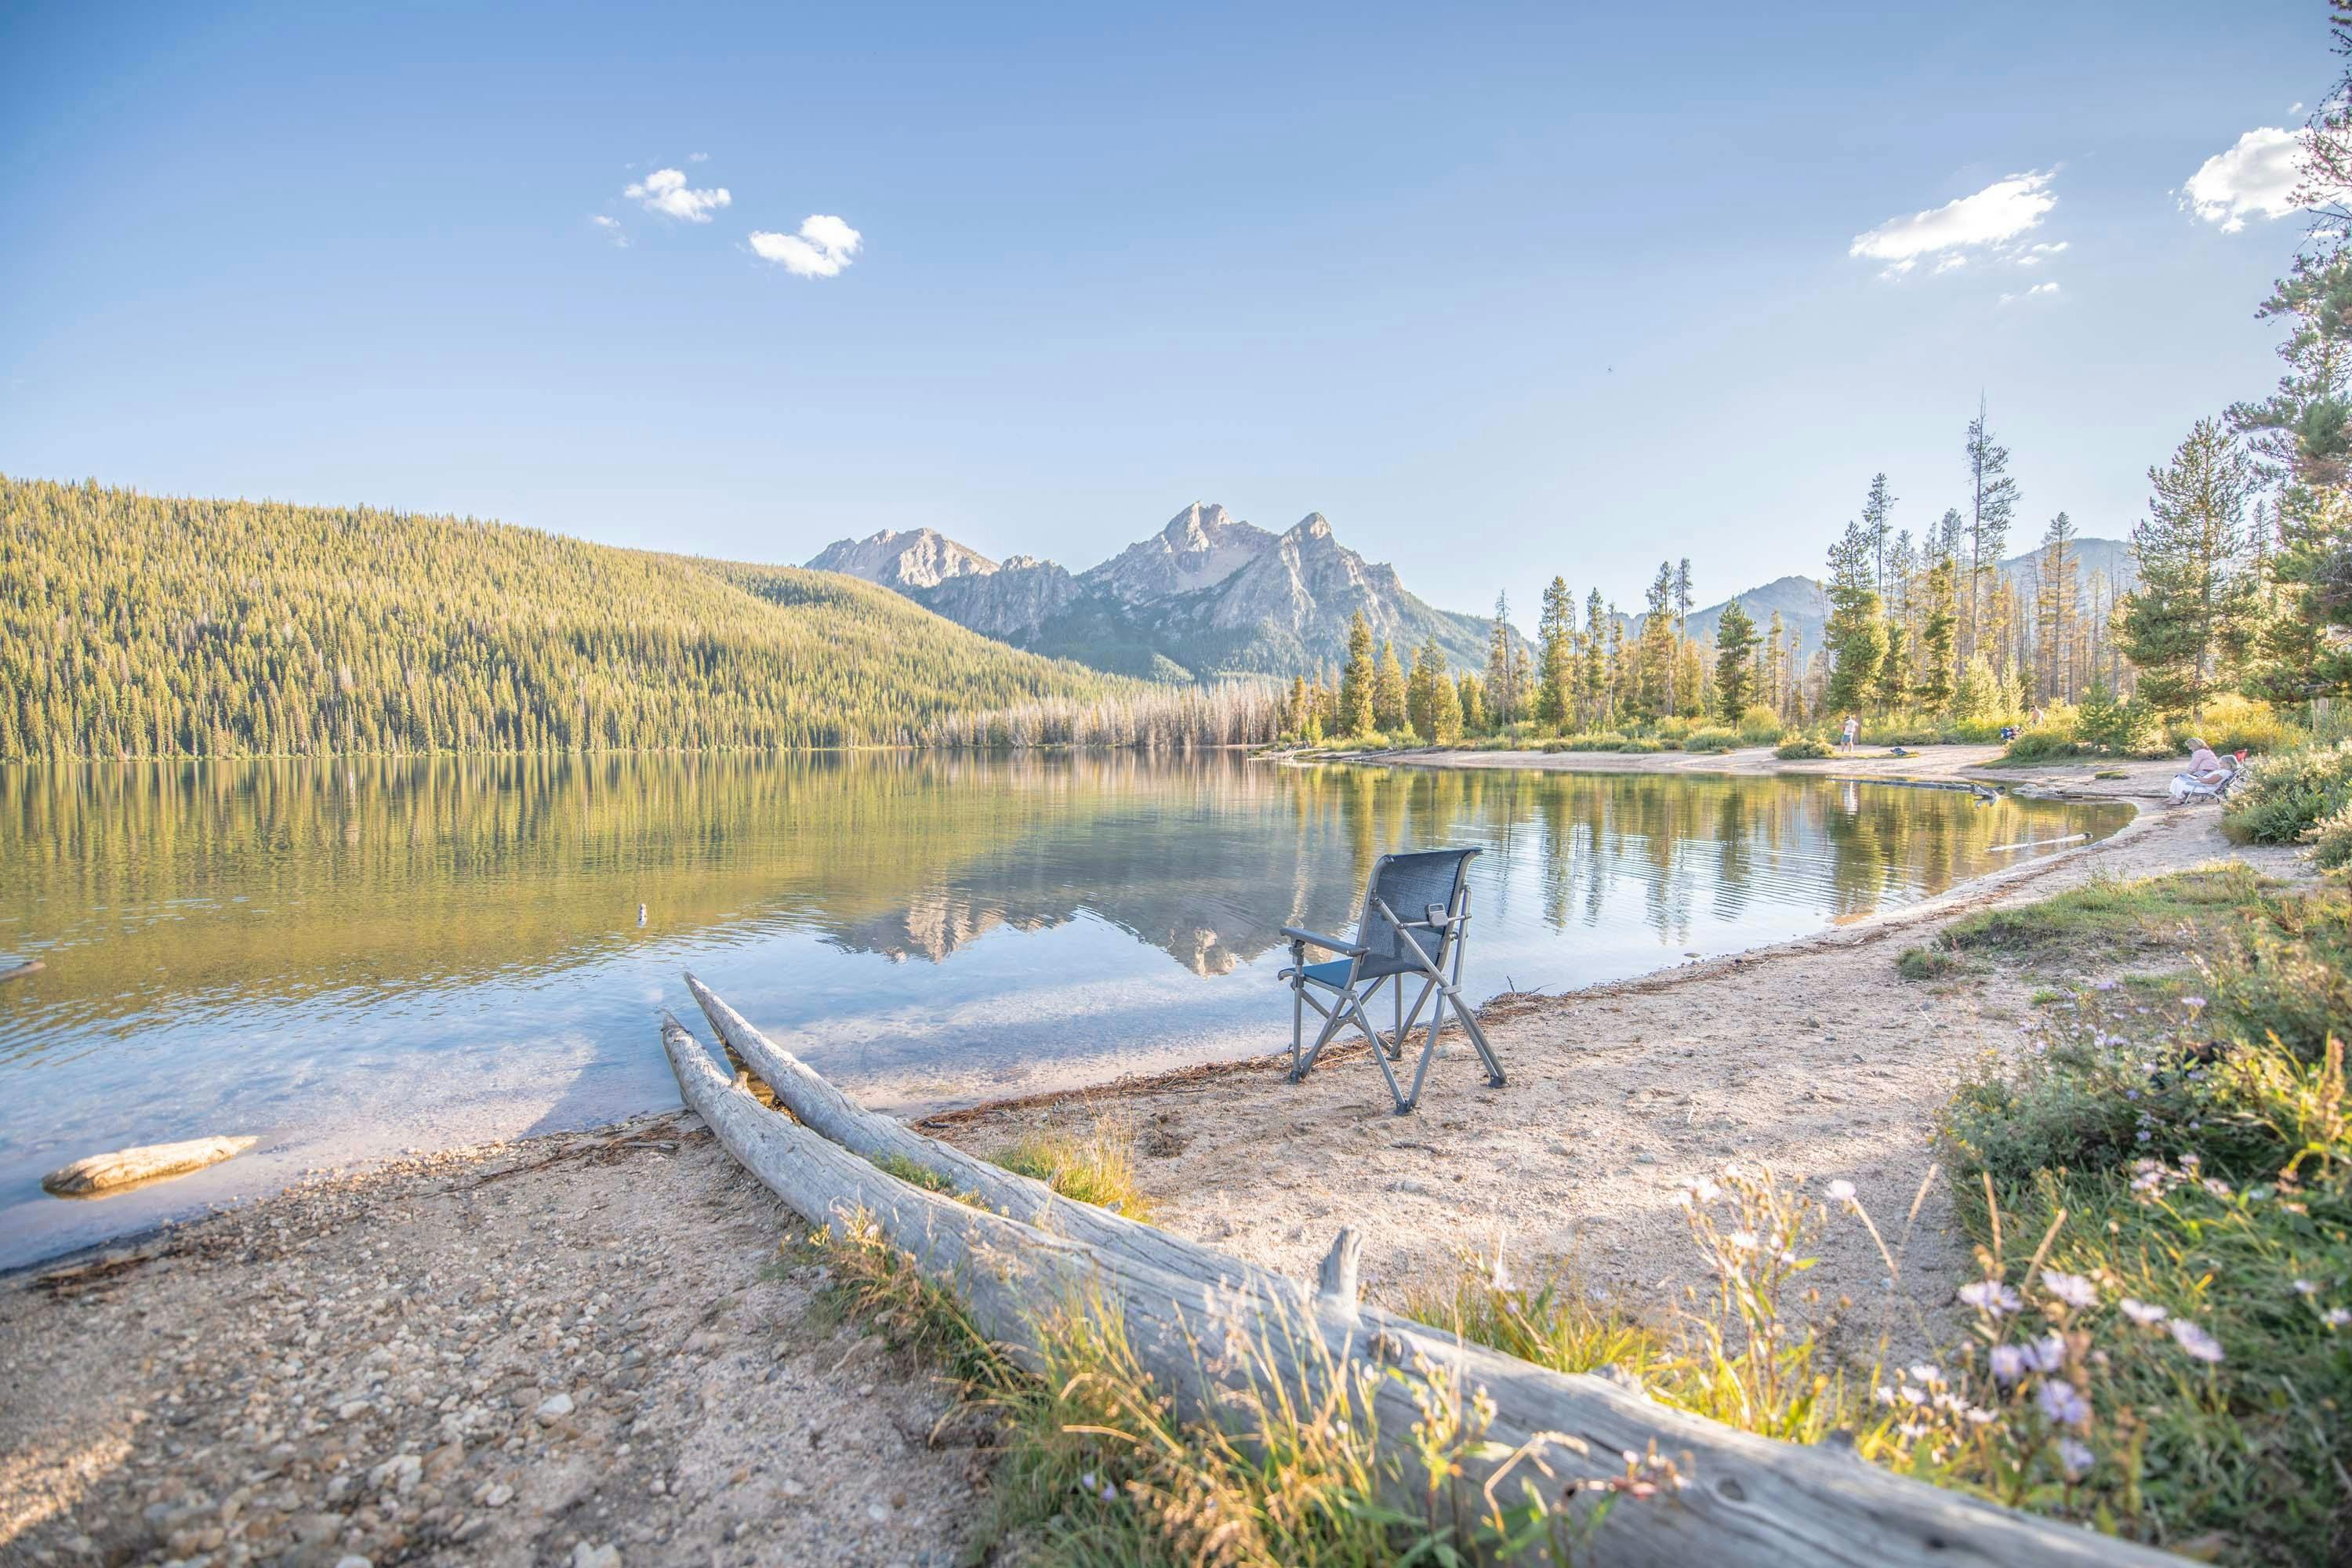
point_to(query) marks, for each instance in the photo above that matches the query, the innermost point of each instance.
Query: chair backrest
(1411, 884)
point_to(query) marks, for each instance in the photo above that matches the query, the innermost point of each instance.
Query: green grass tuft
(1097, 1166)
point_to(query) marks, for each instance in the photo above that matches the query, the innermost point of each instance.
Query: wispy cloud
(2256, 178)
(610, 228)
(665, 191)
(2040, 289)
(823, 245)
(1990, 220)
(2035, 254)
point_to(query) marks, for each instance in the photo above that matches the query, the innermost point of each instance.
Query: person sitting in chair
(2204, 766)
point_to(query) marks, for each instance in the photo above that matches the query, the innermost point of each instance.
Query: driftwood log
(1203, 1324)
(103, 1173)
(19, 971)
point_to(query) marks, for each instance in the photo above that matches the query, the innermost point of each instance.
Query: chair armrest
(1316, 938)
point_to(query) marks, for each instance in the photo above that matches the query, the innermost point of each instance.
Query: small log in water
(1747, 1499)
(18, 970)
(103, 1173)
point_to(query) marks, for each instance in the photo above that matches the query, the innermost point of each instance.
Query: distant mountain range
(1208, 596)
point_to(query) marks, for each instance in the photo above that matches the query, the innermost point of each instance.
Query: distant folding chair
(1416, 913)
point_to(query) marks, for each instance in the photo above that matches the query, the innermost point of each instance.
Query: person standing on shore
(1853, 732)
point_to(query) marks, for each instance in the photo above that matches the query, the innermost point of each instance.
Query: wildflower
(1884, 1395)
(2071, 1288)
(2075, 1456)
(2218, 1187)
(1704, 1190)
(2190, 1161)
(1842, 1191)
(2060, 1402)
(1914, 1395)
(2142, 1314)
(2047, 1353)
(1929, 1375)
(2336, 1316)
(2192, 1003)
(2008, 1364)
(2143, 1134)
(1110, 1493)
(2104, 985)
(1990, 1296)
(2306, 1287)
(1745, 1240)
(1088, 1480)
(2196, 1341)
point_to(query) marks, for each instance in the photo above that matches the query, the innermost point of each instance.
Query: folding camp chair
(1416, 912)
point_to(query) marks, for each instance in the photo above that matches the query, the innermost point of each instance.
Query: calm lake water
(351, 959)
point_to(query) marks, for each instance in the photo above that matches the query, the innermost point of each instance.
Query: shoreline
(601, 1339)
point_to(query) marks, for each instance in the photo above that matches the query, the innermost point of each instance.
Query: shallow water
(351, 959)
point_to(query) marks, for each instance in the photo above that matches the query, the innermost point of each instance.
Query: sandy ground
(587, 1348)
(577, 1349)
(1814, 1058)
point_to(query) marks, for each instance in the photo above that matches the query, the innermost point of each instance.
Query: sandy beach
(590, 1348)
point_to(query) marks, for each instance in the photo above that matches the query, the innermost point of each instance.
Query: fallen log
(805, 1092)
(103, 1173)
(1746, 1499)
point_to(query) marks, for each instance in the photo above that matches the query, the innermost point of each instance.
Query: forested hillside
(144, 626)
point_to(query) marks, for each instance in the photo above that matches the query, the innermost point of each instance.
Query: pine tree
(1470, 692)
(2192, 583)
(1993, 501)
(1357, 679)
(1556, 641)
(1387, 690)
(1876, 511)
(1855, 635)
(1894, 685)
(2054, 608)
(1735, 653)
(1938, 635)
(1501, 693)
(2303, 433)
(1658, 643)
(1593, 680)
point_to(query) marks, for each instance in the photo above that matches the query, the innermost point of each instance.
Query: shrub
(1641, 747)
(1710, 740)
(1802, 749)
(2286, 796)
(1901, 731)
(2043, 745)
(2331, 838)
(1673, 727)
(1759, 725)
(2235, 723)
(1600, 741)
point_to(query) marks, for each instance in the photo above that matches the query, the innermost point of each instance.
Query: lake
(351, 959)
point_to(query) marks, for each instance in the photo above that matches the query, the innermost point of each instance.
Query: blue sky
(1503, 293)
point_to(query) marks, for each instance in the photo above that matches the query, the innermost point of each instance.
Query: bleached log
(1747, 1499)
(807, 1093)
(102, 1174)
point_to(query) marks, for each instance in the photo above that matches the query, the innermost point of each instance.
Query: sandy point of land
(1812, 1057)
(587, 1348)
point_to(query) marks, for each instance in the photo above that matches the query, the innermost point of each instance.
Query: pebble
(555, 1407)
(604, 1556)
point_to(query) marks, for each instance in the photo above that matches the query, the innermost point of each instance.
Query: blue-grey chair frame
(1391, 949)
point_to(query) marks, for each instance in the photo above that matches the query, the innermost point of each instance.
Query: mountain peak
(1202, 546)
(915, 558)
(1314, 525)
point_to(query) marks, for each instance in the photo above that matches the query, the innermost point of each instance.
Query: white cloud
(2029, 293)
(611, 229)
(2035, 254)
(665, 191)
(823, 245)
(1993, 219)
(2256, 178)
(1950, 261)
(697, 157)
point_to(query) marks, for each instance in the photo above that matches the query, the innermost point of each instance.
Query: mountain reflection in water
(357, 956)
